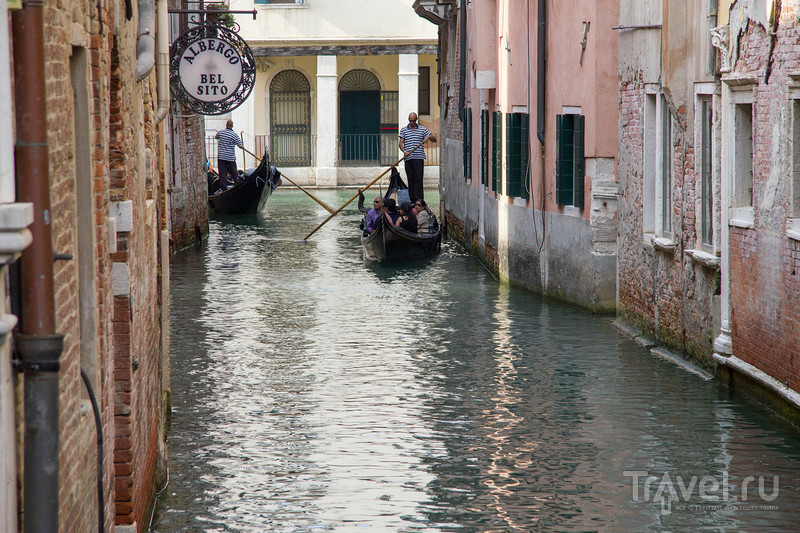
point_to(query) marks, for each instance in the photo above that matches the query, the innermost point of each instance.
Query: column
(327, 120)
(408, 86)
(723, 345)
(244, 123)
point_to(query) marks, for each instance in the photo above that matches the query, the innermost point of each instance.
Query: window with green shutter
(570, 160)
(497, 148)
(467, 129)
(517, 154)
(485, 147)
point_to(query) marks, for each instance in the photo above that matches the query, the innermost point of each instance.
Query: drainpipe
(541, 42)
(462, 70)
(162, 66)
(39, 346)
(145, 48)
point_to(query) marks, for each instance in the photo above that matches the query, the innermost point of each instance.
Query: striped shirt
(412, 138)
(228, 140)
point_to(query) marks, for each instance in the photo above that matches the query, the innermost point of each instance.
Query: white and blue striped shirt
(228, 141)
(412, 138)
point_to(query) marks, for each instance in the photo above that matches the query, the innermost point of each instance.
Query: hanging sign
(212, 69)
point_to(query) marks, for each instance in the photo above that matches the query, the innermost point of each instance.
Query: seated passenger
(373, 216)
(390, 210)
(407, 219)
(423, 216)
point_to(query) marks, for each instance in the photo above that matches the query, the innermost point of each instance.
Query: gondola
(391, 243)
(248, 194)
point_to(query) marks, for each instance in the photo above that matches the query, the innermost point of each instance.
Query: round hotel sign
(212, 70)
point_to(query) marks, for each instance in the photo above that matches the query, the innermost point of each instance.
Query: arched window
(359, 116)
(290, 119)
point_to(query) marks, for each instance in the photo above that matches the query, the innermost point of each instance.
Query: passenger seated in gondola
(407, 219)
(390, 210)
(373, 216)
(423, 216)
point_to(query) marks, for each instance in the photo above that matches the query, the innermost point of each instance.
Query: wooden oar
(370, 184)
(328, 208)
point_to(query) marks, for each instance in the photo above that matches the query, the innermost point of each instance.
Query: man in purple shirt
(374, 214)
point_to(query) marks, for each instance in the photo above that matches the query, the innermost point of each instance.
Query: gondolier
(226, 155)
(411, 136)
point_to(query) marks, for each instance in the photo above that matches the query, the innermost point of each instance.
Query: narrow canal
(312, 392)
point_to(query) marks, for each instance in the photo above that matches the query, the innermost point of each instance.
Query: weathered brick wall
(665, 294)
(127, 163)
(188, 189)
(765, 262)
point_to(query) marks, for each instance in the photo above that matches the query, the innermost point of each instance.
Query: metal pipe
(462, 70)
(39, 347)
(162, 63)
(541, 68)
(146, 43)
(39, 356)
(98, 424)
(31, 155)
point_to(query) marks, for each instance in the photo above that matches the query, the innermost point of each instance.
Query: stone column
(723, 344)
(408, 86)
(244, 124)
(327, 120)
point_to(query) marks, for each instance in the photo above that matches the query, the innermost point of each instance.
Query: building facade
(335, 80)
(528, 169)
(84, 222)
(708, 247)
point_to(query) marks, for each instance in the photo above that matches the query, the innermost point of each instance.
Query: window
(665, 168)
(649, 171)
(517, 155)
(424, 91)
(743, 155)
(484, 147)
(497, 149)
(467, 130)
(706, 178)
(795, 208)
(570, 162)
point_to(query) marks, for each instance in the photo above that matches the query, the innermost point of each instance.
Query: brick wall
(666, 294)
(188, 188)
(765, 262)
(127, 163)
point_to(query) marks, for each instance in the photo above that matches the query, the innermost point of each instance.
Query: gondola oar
(328, 208)
(370, 184)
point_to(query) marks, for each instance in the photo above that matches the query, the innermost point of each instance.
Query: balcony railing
(289, 150)
(376, 150)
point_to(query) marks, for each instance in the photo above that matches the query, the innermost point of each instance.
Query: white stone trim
(788, 394)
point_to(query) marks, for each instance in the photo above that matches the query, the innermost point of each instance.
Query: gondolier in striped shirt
(411, 136)
(226, 155)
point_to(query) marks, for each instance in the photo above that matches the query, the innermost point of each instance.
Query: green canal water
(313, 392)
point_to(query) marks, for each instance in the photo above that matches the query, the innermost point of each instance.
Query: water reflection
(312, 391)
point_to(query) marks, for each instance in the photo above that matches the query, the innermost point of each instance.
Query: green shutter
(564, 154)
(524, 130)
(517, 154)
(484, 147)
(497, 150)
(578, 161)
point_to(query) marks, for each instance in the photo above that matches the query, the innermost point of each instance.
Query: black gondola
(391, 243)
(248, 194)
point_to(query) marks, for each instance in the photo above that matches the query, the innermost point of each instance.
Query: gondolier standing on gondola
(411, 136)
(226, 155)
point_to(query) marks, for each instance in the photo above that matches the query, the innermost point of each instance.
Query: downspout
(162, 67)
(462, 69)
(541, 42)
(39, 346)
(146, 43)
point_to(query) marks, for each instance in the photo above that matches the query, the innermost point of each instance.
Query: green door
(359, 124)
